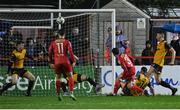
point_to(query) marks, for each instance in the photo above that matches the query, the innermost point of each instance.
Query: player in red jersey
(128, 74)
(59, 50)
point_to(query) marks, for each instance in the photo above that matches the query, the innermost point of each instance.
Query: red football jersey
(60, 49)
(125, 62)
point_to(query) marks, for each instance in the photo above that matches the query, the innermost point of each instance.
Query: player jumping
(59, 49)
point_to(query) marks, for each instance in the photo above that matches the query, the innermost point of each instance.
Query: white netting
(84, 30)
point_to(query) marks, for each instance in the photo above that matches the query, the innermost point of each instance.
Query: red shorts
(61, 68)
(130, 75)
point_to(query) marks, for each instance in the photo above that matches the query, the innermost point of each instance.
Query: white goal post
(52, 19)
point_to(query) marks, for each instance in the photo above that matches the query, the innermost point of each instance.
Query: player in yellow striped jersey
(142, 81)
(16, 65)
(158, 62)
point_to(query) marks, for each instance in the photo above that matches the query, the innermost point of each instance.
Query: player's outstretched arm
(173, 56)
(173, 52)
(77, 58)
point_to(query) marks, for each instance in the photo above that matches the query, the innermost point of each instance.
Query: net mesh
(84, 30)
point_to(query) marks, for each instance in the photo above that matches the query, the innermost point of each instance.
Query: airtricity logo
(41, 83)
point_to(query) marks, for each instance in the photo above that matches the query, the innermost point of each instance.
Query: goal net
(85, 30)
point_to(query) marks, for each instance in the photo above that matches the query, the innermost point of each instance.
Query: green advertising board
(44, 83)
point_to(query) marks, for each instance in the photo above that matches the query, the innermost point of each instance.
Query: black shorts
(157, 68)
(19, 71)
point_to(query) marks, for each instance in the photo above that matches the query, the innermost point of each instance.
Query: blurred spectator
(50, 36)
(30, 51)
(147, 52)
(30, 47)
(9, 39)
(120, 38)
(175, 43)
(108, 44)
(40, 50)
(109, 38)
(127, 50)
(15, 35)
(1, 43)
(76, 41)
(5, 44)
(80, 43)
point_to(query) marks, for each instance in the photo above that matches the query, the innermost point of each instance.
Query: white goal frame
(113, 21)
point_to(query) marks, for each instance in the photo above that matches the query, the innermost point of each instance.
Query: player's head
(160, 36)
(12, 30)
(143, 70)
(61, 34)
(115, 51)
(118, 30)
(75, 31)
(19, 45)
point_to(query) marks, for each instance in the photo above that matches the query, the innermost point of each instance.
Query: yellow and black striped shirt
(18, 58)
(160, 53)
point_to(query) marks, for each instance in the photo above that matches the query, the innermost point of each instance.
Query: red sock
(71, 84)
(58, 84)
(117, 86)
(137, 89)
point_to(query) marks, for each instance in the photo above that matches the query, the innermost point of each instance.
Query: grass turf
(92, 102)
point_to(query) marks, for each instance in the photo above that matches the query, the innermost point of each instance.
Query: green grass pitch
(90, 102)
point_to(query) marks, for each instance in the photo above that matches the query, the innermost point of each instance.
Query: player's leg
(8, 85)
(150, 72)
(158, 79)
(118, 83)
(151, 89)
(58, 86)
(70, 82)
(64, 84)
(134, 88)
(90, 80)
(57, 69)
(131, 84)
(71, 85)
(31, 78)
(126, 91)
(69, 72)
(96, 85)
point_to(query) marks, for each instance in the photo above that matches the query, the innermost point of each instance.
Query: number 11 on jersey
(60, 48)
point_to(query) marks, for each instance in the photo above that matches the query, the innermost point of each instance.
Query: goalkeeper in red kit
(59, 50)
(128, 74)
